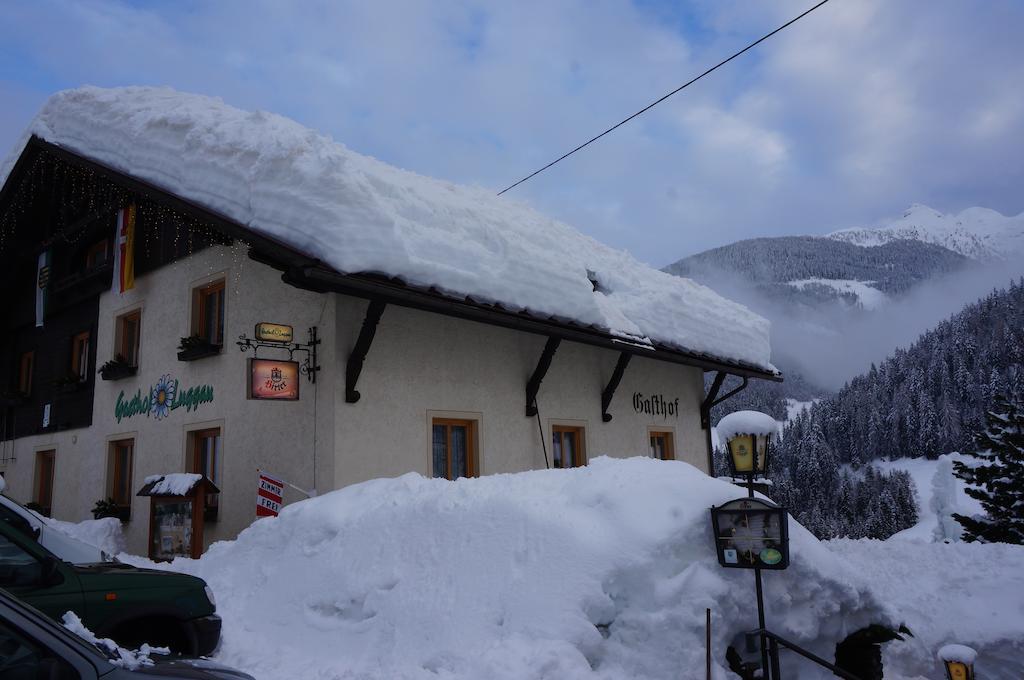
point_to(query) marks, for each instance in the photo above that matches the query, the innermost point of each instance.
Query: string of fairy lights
(86, 197)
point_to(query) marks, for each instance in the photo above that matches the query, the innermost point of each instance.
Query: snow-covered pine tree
(998, 476)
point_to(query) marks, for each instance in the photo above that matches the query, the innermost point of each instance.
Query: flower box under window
(193, 348)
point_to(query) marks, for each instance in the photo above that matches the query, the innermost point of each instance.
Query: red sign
(271, 379)
(268, 495)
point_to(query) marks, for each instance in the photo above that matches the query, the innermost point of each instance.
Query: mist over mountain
(838, 303)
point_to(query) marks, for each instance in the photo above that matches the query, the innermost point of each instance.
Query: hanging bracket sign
(274, 332)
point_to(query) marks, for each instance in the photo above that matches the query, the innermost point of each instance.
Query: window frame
(116, 475)
(669, 446)
(79, 363)
(472, 444)
(25, 376)
(579, 432)
(99, 248)
(194, 458)
(200, 301)
(46, 459)
(120, 336)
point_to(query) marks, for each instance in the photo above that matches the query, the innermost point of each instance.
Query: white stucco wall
(421, 365)
(278, 436)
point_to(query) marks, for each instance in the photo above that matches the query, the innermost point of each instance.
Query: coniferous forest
(926, 400)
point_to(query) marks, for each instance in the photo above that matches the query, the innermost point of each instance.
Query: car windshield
(71, 549)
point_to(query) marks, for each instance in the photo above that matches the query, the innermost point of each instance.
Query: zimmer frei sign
(162, 398)
(269, 495)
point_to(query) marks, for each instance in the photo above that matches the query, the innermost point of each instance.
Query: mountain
(813, 270)
(977, 233)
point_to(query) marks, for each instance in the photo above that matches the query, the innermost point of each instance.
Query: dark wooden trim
(709, 403)
(541, 370)
(613, 384)
(354, 367)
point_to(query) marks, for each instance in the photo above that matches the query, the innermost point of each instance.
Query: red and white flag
(269, 492)
(124, 250)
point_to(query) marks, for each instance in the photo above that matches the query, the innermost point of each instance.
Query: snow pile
(119, 656)
(978, 233)
(359, 215)
(105, 534)
(746, 422)
(963, 593)
(603, 571)
(173, 484)
(869, 297)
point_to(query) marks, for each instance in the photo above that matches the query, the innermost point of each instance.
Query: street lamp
(748, 435)
(958, 661)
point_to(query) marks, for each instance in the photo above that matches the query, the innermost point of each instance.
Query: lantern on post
(748, 435)
(958, 660)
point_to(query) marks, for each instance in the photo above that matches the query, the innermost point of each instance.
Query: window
(20, 655)
(661, 446)
(44, 481)
(119, 485)
(96, 256)
(208, 312)
(204, 456)
(127, 338)
(453, 446)
(567, 446)
(25, 365)
(80, 356)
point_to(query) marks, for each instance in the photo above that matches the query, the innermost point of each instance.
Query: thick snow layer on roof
(360, 215)
(746, 422)
(961, 653)
(603, 571)
(173, 484)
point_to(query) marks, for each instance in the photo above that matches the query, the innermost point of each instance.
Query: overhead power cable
(661, 99)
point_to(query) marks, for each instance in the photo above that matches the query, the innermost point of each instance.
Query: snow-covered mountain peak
(978, 233)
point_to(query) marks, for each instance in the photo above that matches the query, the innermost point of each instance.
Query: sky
(846, 118)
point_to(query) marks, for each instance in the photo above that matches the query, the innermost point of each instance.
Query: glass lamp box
(751, 534)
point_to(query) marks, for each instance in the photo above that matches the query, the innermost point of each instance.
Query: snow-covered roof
(359, 215)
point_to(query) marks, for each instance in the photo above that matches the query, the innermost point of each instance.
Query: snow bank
(360, 215)
(106, 534)
(596, 572)
(962, 593)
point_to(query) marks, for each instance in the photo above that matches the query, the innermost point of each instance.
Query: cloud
(853, 113)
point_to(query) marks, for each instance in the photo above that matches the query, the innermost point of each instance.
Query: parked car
(60, 544)
(33, 646)
(113, 599)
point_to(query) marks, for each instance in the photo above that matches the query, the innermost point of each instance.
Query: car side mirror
(50, 573)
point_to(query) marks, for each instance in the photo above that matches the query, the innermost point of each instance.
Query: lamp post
(748, 436)
(958, 660)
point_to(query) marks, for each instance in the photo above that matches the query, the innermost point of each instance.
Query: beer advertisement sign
(273, 379)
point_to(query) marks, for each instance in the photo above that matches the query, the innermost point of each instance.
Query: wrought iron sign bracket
(714, 400)
(309, 367)
(613, 384)
(543, 364)
(361, 349)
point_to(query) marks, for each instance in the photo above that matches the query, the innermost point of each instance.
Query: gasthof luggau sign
(655, 405)
(162, 398)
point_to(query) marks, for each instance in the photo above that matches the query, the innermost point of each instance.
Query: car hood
(129, 576)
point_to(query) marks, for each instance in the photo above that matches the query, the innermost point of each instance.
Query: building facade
(108, 387)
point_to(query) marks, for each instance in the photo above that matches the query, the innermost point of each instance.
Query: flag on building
(42, 283)
(124, 250)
